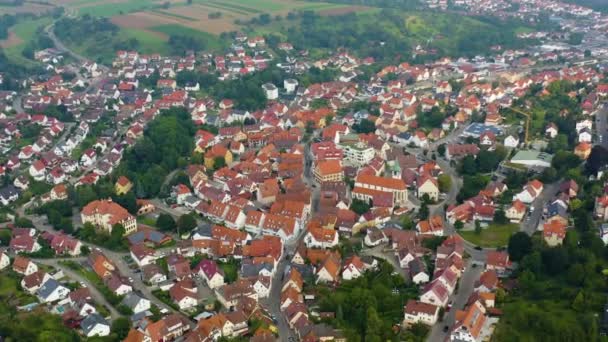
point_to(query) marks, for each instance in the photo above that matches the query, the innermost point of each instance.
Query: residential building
(104, 214)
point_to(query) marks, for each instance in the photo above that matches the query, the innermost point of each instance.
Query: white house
(321, 238)
(511, 141)
(530, 192)
(436, 294)
(585, 136)
(136, 303)
(353, 268)
(5, 261)
(419, 312)
(262, 286)
(95, 325)
(271, 91)
(52, 291)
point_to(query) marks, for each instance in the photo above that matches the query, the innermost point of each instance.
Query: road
(459, 299)
(530, 224)
(49, 30)
(601, 124)
(97, 296)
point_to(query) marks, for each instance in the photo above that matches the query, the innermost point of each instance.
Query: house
(31, 283)
(516, 212)
(601, 207)
(153, 274)
(104, 214)
(122, 186)
(5, 261)
(435, 293)
(142, 255)
(511, 141)
(417, 271)
(419, 312)
(23, 265)
(428, 185)
(117, 285)
(487, 138)
(554, 233)
(95, 325)
(570, 188)
(213, 275)
(184, 294)
(551, 130)
(488, 282)
(585, 135)
(136, 303)
(433, 226)
(329, 271)
(353, 268)
(328, 171)
(469, 323)
(24, 243)
(583, 150)
(318, 237)
(455, 151)
(51, 291)
(498, 261)
(530, 192)
(8, 194)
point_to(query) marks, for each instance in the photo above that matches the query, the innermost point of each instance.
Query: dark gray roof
(48, 288)
(91, 321)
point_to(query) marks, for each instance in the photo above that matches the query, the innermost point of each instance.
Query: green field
(493, 236)
(169, 14)
(10, 288)
(213, 42)
(263, 5)
(111, 9)
(26, 31)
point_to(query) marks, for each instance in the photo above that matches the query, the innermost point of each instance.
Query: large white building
(358, 154)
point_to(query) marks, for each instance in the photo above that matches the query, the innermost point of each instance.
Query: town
(309, 199)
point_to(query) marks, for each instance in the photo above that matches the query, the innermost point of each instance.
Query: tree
(186, 223)
(445, 182)
(579, 302)
(477, 227)
(358, 206)
(519, 246)
(365, 126)
(165, 222)
(500, 217)
(441, 150)
(219, 162)
(121, 327)
(423, 212)
(407, 223)
(458, 225)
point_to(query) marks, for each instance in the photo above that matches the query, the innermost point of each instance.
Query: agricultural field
(19, 36)
(28, 7)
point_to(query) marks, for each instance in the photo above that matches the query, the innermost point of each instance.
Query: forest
(166, 145)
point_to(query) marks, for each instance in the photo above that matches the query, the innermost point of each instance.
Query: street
(458, 299)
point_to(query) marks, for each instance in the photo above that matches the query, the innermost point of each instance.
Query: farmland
(153, 22)
(20, 35)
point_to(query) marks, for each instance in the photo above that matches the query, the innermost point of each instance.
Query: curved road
(97, 296)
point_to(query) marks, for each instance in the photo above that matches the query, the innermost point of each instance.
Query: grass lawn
(495, 235)
(10, 288)
(147, 220)
(26, 31)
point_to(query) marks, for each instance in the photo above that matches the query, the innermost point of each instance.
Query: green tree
(423, 212)
(500, 217)
(219, 162)
(358, 206)
(186, 223)
(458, 225)
(477, 227)
(407, 223)
(579, 302)
(445, 182)
(121, 327)
(165, 222)
(519, 246)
